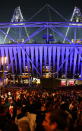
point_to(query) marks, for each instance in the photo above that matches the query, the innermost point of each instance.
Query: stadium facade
(59, 59)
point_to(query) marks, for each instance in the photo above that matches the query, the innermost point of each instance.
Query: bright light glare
(3, 60)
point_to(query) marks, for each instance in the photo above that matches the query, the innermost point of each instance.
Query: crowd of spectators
(40, 110)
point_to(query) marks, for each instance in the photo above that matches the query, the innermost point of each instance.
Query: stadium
(42, 49)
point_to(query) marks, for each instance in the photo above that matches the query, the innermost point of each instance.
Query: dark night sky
(30, 7)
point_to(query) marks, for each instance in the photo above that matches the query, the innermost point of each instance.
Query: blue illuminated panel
(63, 59)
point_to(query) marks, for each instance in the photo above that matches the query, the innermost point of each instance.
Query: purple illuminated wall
(64, 59)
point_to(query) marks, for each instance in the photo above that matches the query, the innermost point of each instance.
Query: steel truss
(37, 26)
